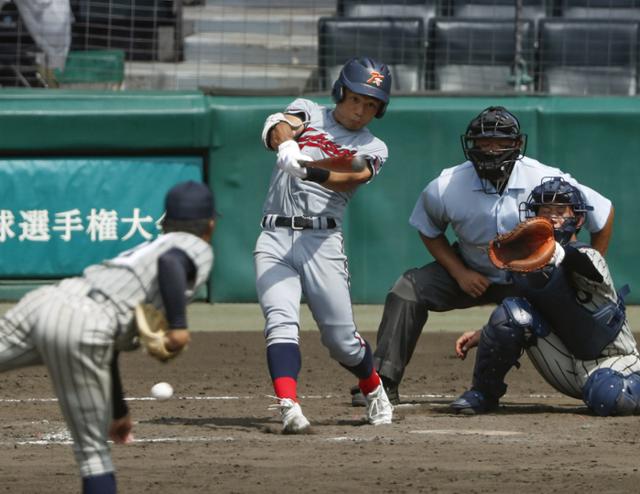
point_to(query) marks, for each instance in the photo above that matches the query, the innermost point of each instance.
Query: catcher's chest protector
(585, 334)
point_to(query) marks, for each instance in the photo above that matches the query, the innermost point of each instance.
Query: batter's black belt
(298, 222)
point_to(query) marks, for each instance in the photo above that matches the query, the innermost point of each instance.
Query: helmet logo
(375, 78)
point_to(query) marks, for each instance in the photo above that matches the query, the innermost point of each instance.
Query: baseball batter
(478, 199)
(301, 249)
(77, 327)
(570, 320)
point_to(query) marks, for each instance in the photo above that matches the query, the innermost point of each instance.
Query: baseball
(162, 391)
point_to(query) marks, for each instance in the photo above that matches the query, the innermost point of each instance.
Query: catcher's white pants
(568, 375)
(71, 334)
(290, 263)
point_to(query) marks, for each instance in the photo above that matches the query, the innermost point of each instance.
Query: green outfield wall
(593, 139)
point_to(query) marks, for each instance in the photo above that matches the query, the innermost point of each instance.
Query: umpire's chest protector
(585, 334)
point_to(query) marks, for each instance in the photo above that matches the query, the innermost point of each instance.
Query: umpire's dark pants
(407, 307)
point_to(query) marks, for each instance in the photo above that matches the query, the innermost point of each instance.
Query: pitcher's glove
(528, 247)
(152, 329)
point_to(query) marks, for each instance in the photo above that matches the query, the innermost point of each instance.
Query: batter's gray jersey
(322, 137)
(72, 328)
(554, 361)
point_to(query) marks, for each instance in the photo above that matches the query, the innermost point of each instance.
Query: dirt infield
(218, 435)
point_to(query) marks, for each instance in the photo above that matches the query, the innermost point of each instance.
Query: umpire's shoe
(390, 387)
(473, 402)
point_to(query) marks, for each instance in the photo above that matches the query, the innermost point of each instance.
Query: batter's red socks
(370, 383)
(286, 387)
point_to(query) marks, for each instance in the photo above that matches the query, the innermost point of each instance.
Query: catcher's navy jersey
(555, 362)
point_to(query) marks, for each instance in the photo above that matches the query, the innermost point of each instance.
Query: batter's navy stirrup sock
(368, 378)
(99, 484)
(284, 361)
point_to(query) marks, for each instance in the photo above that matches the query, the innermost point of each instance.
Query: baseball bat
(344, 164)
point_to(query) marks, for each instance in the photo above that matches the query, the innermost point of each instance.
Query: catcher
(570, 319)
(77, 327)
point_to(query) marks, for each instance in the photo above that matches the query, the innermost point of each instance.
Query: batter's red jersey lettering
(313, 138)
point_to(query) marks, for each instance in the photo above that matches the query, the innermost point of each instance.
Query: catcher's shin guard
(501, 343)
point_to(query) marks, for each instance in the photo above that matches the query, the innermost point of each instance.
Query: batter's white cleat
(293, 421)
(379, 408)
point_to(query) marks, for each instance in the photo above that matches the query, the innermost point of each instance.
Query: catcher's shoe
(293, 421)
(473, 402)
(391, 388)
(379, 410)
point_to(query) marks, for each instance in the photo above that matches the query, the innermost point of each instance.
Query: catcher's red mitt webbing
(528, 247)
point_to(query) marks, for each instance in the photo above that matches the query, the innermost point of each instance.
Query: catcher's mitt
(152, 328)
(528, 247)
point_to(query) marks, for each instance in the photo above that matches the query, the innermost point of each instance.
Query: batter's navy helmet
(495, 122)
(557, 191)
(364, 76)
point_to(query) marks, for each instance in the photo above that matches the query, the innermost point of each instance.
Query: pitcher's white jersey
(132, 277)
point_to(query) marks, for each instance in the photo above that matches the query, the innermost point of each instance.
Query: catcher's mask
(557, 192)
(364, 76)
(494, 165)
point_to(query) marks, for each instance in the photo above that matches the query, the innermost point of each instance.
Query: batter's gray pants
(407, 307)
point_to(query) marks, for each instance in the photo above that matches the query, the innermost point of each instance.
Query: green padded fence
(593, 139)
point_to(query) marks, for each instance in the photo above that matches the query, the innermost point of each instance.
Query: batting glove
(288, 155)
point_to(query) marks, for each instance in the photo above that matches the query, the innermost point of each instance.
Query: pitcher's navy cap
(190, 201)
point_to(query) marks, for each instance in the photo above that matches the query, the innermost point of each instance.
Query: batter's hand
(120, 430)
(473, 283)
(288, 156)
(466, 342)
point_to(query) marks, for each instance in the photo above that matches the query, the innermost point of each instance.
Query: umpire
(479, 199)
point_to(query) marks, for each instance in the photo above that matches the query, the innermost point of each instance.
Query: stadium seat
(425, 9)
(478, 55)
(588, 57)
(397, 42)
(144, 29)
(500, 9)
(600, 9)
(92, 69)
